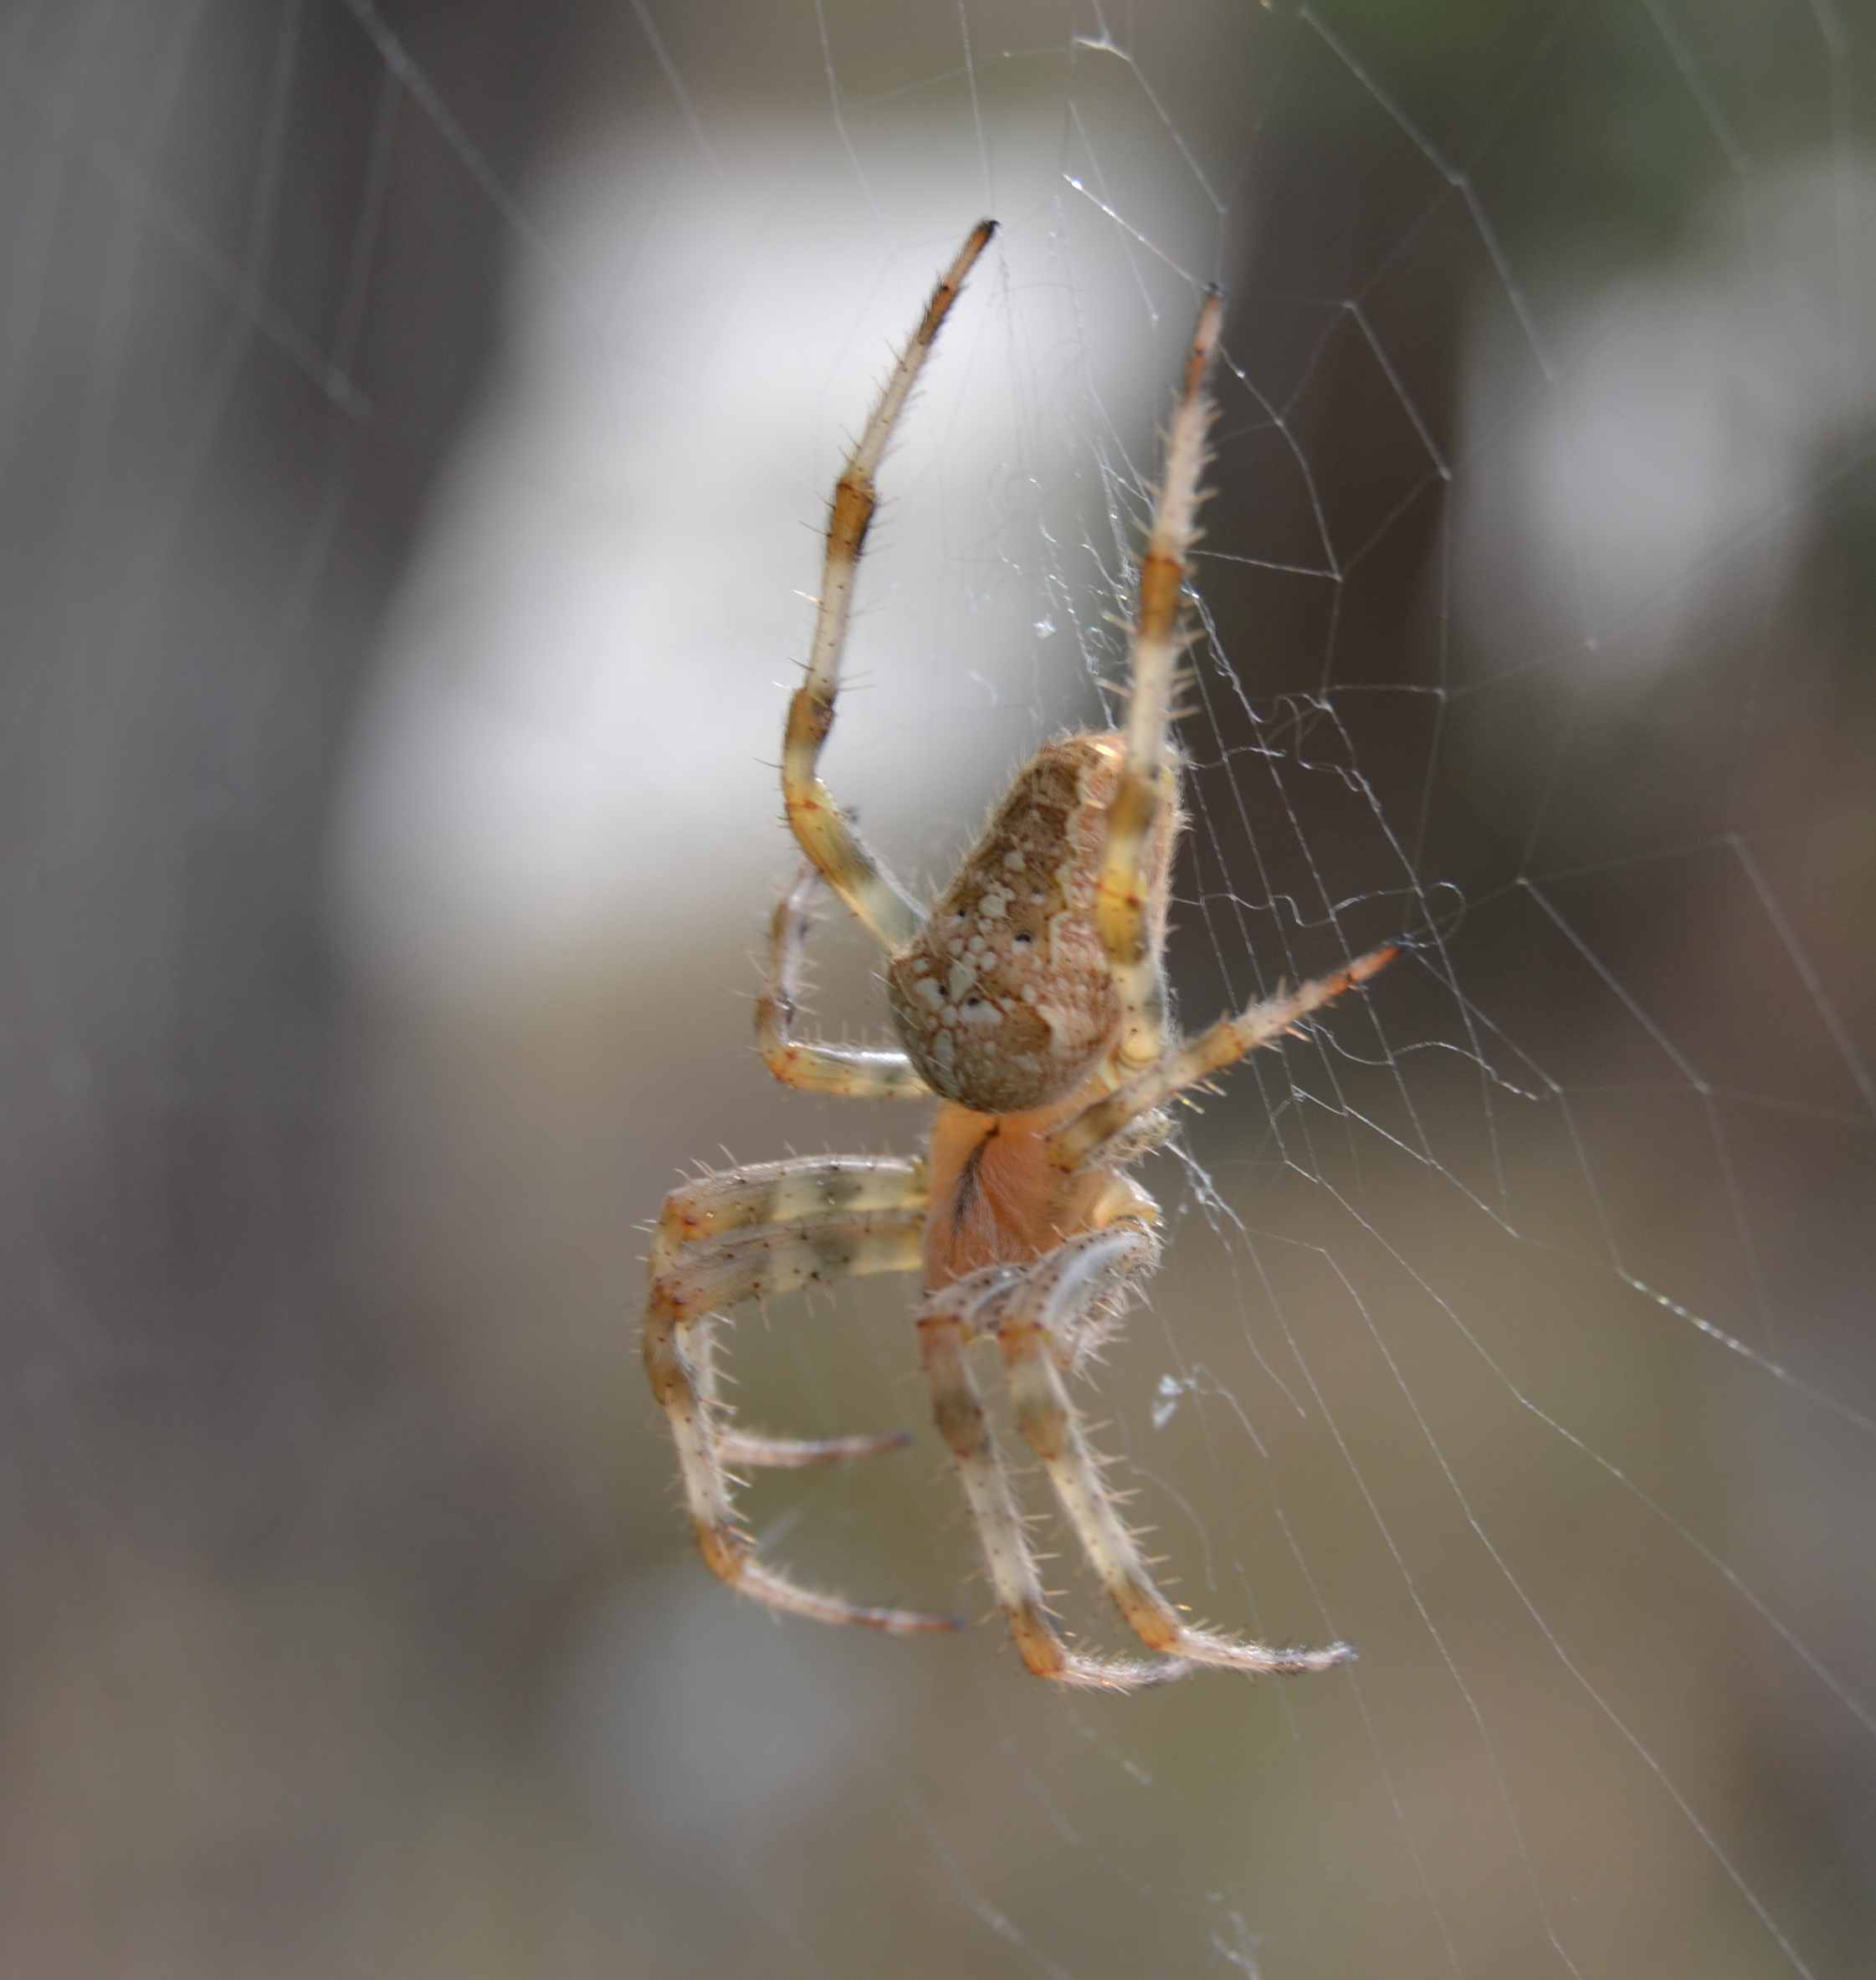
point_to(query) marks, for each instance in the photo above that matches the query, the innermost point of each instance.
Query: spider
(1031, 1001)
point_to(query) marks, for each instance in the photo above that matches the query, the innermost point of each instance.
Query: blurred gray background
(416, 419)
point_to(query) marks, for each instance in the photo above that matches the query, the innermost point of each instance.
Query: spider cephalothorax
(1031, 1002)
(1005, 1000)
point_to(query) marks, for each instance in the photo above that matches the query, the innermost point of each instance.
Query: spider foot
(1219, 1652)
(1118, 1674)
(731, 1556)
(1045, 1655)
(765, 1585)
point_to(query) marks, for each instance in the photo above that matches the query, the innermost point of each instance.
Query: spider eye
(1022, 941)
(971, 1003)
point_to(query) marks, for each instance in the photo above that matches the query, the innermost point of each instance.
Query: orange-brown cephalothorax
(997, 1196)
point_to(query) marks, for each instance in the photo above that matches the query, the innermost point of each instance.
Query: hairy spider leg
(1085, 1139)
(1130, 902)
(1029, 1326)
(770, 1194)
(851, 1072)
(948, 1320)
(764, 1193)
(823, 830)
(720, 1272)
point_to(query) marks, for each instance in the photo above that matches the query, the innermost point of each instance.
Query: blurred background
(416, 421)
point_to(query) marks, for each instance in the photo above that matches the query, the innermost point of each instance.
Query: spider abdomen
(1004, 1000)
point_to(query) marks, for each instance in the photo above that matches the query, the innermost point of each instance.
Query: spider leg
(1085, 1138)
(851, 1072)
(1131, 900)
(1053, 1294)
(948, 1320)
(767, 1193)
(824, 832)
(741, 1449)
(749, 1261)
(764, 1193)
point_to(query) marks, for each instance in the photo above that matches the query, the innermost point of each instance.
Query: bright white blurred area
(419, 423)
(1701, 395)
(583, 674)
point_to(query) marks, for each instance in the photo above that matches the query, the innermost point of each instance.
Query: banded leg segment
(947, 1323)
(852, 1072)
(1085, 1138)
(719, 1273)
(741, 1449)
(762, 1195)
(1131, 900)
(1029, 1326)
(771, 1193)
(817, 822)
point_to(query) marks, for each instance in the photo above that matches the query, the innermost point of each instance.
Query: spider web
(416, 423)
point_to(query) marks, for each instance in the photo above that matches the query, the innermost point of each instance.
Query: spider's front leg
(774, 1195)
(1029, 1325)
(949, 1321)
(768, 1228)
